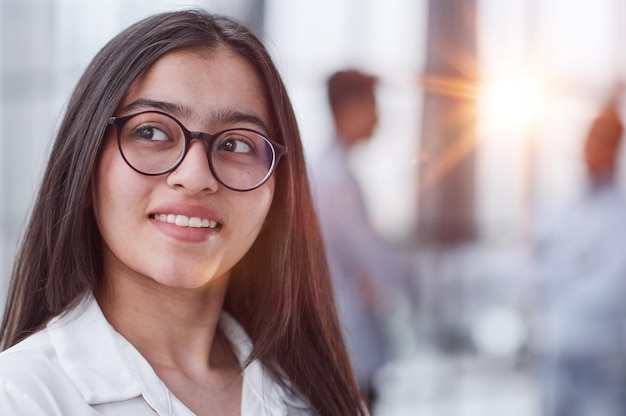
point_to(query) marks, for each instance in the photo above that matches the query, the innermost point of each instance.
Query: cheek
(256, 207)
(263, 205)
(268, 198)
(100, 184)
(113, 189)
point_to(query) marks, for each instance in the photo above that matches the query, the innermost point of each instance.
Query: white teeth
(182, 220)
(185, 221)
(195, 222)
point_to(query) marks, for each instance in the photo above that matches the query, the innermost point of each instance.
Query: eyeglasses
(154, 143)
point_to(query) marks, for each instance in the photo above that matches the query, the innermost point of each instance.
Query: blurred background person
(365, 268)
(580, 328)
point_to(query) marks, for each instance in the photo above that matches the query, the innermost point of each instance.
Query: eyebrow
(228, 116)
(174, 109)
(238, 117)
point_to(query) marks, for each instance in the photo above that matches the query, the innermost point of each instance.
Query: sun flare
(514, 101)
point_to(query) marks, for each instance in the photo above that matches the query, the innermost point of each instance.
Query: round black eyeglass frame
(278, 149)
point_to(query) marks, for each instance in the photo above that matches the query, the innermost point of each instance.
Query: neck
(347, 140)
(601, 181)
(170, 327)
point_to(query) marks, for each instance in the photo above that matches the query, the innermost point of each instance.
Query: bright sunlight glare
(513, 101)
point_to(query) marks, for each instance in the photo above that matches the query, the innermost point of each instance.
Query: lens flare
(513, 101)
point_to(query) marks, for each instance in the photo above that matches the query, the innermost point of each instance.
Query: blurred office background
(484, 107)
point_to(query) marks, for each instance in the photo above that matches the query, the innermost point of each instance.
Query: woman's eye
(147, 132)
(235, 145)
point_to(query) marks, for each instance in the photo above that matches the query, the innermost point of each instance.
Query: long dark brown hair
(280, 291)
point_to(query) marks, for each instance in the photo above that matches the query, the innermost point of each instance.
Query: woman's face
(208, 91)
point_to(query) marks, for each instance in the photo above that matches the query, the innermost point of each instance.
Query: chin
(175, 282)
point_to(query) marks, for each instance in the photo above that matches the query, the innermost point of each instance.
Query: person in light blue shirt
(367, 271)
(580, 331)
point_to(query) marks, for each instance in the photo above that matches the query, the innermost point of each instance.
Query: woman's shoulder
(34, 354)
(36, 357)
(36, 368)
(28, 372)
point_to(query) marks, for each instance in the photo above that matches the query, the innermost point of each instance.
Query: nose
(194, 173)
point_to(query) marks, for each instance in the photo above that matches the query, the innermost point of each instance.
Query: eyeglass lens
(153, 143)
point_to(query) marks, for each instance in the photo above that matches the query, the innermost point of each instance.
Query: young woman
(173, 263)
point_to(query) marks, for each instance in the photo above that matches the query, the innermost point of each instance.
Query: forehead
(203, 82)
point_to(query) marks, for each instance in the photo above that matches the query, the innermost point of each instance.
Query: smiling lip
(183, 222)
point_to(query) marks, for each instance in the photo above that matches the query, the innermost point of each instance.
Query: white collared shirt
(79, 365)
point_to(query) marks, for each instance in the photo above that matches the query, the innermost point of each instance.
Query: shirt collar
(103, 365)
(262, 393)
